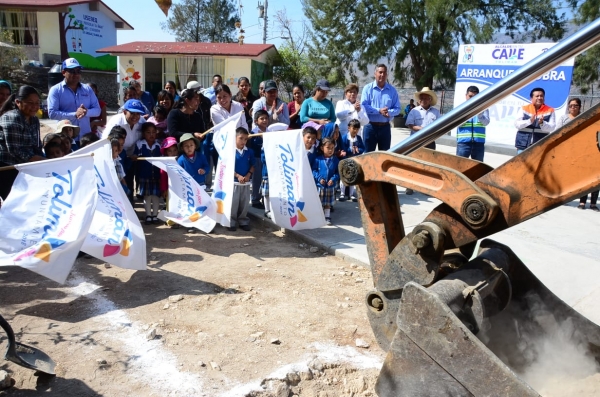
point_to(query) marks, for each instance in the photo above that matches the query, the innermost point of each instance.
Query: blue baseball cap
(134, 106)
(70, 63)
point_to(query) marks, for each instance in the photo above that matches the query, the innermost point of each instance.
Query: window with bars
(184, 69)
(23, 26)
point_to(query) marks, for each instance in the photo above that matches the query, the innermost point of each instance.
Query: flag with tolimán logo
(293, 195)
(189, 205)
(224, 141)
(116, 235)
(44, 219)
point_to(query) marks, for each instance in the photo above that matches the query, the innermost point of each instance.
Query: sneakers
(155, 220)
(258, 205)
(354, 199)
(408, 192)
(148, 220)
(342, 198)
(268, 215)
(328, 221)
(245, 228)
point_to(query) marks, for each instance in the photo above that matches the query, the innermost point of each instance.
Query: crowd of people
(175, 123)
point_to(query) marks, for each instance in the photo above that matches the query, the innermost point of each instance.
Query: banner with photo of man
(482, 65)
(45, 218)
(295, 202)
(116, 235)
(188, 204)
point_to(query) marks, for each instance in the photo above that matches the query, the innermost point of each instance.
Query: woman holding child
(350, 109)
(19, 134)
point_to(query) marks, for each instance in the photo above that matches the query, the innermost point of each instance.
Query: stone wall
(108, 87)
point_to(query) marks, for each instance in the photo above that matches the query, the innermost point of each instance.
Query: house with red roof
(155, 63)
(52, 30)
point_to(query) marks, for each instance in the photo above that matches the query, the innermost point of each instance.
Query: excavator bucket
(475, 331)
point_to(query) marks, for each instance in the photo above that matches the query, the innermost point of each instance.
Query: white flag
(189, 205)
(224, 141)
(116, 235)
(295, 202)
(44, 219)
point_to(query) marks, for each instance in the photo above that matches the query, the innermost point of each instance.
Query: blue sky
(145, 17)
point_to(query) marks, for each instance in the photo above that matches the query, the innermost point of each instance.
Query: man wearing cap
(381, 103)
(130, 121)
(72, 100)
(210, 91)
(470, 137)
(277, 109)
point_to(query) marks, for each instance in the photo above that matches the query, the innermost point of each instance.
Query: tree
(63, 27)
(202, 21)
(295, 66)
(419, 38)
(10, 56)
(587, 64)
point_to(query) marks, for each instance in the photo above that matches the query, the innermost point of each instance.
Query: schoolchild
(191, 159)
(325, 173)
(53, 150)
(88, 139)
(168, 149)
(352, 145)
(244, 167)
(117, 147)
(160, 121)
(148, 176)
(309, 136)
(261, 122)
(70, 130)
(264, 186)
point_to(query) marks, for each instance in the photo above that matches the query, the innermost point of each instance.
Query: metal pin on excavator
(430, 302)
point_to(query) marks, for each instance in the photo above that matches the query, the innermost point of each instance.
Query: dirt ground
(226, 314)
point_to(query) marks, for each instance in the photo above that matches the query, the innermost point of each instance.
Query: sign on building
(482, 65)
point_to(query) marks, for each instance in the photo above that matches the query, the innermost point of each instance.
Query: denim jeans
(377, 136)
(474, 150)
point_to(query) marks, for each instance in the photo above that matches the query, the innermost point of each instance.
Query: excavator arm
(430, 301)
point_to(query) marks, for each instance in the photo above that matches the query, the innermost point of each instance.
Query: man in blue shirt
(381, 103)
(72, 100)
(210, 91)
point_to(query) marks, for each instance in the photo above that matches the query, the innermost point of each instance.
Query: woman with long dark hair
(19, 134)
(165, 99)
(184, 117)
(246, 98)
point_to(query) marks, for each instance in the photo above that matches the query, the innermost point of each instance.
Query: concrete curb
(256, 215)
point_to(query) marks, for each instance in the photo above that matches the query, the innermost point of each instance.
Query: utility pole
(265, 24)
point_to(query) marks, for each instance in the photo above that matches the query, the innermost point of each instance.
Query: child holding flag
(148, 182)
(244, 167)
(325, 172)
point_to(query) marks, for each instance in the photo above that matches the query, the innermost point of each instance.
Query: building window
(184, 69)
(23, 26)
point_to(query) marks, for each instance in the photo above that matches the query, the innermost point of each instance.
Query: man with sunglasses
(72, 100)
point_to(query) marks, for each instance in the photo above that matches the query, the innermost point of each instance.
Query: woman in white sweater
(226, 107)
(348, 109)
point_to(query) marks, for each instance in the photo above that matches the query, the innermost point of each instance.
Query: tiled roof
(49, 4)
(185, 48)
